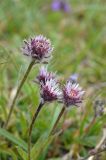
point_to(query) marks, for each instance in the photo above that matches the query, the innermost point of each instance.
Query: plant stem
(90, 125)
(17, 93)
(95, 153)
(58, 118)
(31, 127)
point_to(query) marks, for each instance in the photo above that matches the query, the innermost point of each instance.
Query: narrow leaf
(8, 152)
(22, 153)
(13, 139)
(41, 145)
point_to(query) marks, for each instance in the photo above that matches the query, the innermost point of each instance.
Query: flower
(73, 78)
(38, 48)
(60, 5)
(72, 94)
(50, 91)
(44, 75)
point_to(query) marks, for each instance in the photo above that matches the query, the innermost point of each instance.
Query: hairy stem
(31, 127)
(58, 118)
(18, 91)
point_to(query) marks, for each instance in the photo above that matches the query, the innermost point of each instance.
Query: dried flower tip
(38, 48)
(50, 91)
(72, 94)
(99, 108)
(44, 75)
(104, 145)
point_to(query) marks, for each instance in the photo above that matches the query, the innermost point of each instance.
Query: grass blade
(19, 142)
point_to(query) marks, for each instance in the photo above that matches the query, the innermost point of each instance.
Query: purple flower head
(44, 75)
(58, 5)
(38, 48)
(73, 78)
(72, 94)
(50, 91)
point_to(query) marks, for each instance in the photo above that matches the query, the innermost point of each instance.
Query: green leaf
(13, 139)
(54, 118)
(89, 141)
(35, 152)
(9, 152)
(41, 145)
(22, 153)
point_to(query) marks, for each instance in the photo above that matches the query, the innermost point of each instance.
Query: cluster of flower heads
(40, 49)
(70, 94)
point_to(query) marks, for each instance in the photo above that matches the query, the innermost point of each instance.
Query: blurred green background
(79, 40)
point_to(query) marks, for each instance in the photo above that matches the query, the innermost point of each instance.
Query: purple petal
(55, 5)
(73, 77)
(60, 5)
(66, 8)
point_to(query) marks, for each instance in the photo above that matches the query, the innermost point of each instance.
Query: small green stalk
(90, 124)
(57, 121)
(18, 91)
(31, 128)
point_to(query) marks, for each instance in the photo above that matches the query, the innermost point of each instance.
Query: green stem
(17, 93)
(58, 118)
(90, 125)
(31, 127)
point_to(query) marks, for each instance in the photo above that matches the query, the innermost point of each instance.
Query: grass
(79, 47)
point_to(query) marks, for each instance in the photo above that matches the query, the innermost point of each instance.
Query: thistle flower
(44, 75)
(38, 48)
(72, 94)
(50, 91)
(60, 5)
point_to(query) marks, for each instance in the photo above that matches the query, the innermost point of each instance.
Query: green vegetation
(79, 40)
